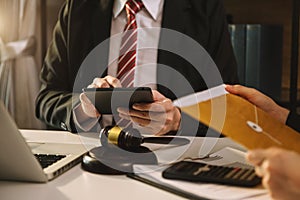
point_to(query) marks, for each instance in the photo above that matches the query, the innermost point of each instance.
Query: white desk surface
(78, 184)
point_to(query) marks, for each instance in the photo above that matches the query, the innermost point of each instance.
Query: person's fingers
(279, 187)
(157, 96)
(112, 81)
(256, 157)
(84, 99)
(87, 107)
(162, 131)
(164, 105)
(134, 113)
(92, 86)
(252, 95)
(265, 178)
(100, 83)
(264, 160)
(124, 116)
(161, 104)
(144, 125)
(263, 168)
(272, 181)
(162, 117)
(241, 91)
(137, 120)
(154, 107)
(229, 88)
(145, 129)
(145, 120)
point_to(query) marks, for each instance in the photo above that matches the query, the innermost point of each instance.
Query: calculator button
(239, 173)
(251, 177)
(246, 174)
(213, 171)
(224, 172)
(232, 172)
(201, 169)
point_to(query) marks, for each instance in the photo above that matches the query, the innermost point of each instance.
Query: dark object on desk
(115, 161)
(199, 172)
(107, 100)
(132, 139)
(121, 149)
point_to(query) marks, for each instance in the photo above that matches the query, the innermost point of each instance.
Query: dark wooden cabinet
(282, 12)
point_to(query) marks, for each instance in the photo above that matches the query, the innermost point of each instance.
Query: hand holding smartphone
(107, 100)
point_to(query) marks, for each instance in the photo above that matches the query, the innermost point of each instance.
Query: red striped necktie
(127, 58)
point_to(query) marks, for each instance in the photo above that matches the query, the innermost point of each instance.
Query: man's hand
(105, 82)
(159, 117)
(280, 171)
(86, 105)
(260, 100)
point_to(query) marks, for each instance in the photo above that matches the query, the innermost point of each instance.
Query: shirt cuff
(86, 125)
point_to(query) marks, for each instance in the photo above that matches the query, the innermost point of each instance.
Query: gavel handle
(166, 140)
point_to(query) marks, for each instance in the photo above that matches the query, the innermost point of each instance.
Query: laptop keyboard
(46, 159)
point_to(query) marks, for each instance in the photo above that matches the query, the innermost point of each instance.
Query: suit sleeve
(218, 45)
(219, 42)
(55, 99)
(293, 121)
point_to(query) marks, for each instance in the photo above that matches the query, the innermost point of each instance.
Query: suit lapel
(174, 18)
(174, 14)
(102, 26)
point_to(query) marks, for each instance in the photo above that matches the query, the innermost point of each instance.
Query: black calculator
(199, 172)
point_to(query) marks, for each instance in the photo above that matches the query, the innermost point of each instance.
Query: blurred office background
(25, 31)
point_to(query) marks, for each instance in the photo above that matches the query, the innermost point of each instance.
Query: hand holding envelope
(238, 119)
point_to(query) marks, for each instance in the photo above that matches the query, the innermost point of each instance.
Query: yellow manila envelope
(238, 119)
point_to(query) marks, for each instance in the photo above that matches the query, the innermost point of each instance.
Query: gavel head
(125, 139)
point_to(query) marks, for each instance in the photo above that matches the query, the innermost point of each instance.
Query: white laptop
(19, 160)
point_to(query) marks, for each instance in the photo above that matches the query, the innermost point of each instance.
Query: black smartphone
(107, 100)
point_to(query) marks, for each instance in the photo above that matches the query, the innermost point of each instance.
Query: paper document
(228, 157)
(198, 147)
(238, 119)
(201, 190)
(224, 157)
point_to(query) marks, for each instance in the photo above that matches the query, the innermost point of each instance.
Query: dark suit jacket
(84, 24)
(293, 121)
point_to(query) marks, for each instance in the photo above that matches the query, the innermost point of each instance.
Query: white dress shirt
(149, 17)
(145, 72)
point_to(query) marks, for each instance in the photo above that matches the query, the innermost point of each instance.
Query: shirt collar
(154, 7)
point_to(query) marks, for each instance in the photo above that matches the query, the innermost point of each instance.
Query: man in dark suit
(84, 24)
